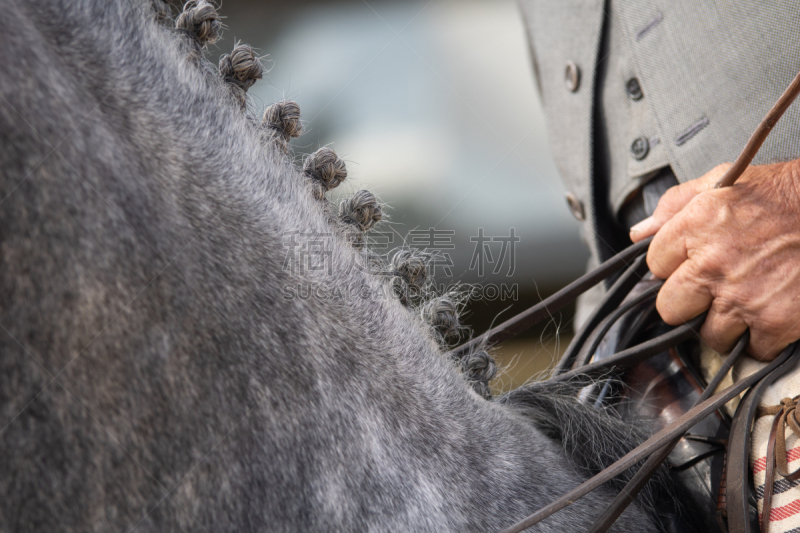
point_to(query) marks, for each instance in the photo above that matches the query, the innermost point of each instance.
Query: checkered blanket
(785, 513)
(784, 516)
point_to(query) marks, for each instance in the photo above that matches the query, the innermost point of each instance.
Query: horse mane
(594, 437)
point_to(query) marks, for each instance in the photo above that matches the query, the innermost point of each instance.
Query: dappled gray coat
(155, 375)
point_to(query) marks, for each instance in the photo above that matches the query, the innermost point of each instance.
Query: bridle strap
(770, 474)
(760, 134)
(611, 301)
(544, 309)
(648, 294)
(636, 354)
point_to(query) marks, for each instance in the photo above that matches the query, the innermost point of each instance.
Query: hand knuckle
(709, 267)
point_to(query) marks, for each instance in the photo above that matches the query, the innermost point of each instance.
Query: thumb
(674, 200)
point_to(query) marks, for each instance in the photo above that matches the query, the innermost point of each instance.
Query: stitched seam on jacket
(691, 131)
(649, 26)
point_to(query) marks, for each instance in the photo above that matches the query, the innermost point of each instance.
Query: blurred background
(433, 105)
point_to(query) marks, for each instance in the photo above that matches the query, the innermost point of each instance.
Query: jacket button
(572, 76)
(640, 147)
(576, 207)
(633, 89)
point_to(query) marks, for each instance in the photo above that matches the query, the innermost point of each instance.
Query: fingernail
(642, 226)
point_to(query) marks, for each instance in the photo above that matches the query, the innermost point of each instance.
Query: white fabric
(785, 513)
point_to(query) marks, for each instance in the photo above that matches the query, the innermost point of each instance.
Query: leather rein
(656, 449)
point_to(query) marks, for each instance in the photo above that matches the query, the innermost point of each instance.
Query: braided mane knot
(362, 211)
(241, 67)
(409, 268)
(200, 19)
(442, 315)
(282, 122)
(326, 169)
(480, 369)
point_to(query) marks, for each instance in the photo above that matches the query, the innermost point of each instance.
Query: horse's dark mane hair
(593, 437)
(161, 368)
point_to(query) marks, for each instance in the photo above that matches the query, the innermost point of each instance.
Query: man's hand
(734, 252)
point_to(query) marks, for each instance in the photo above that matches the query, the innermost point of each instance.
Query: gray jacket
(707, 73)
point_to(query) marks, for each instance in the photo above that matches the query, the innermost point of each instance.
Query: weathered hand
(734, 252)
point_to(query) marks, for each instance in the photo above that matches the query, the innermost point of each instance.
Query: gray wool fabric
(708, 73)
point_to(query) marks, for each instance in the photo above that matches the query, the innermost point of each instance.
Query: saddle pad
(785, 513)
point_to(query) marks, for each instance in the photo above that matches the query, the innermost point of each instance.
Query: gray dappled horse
(154, 375)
